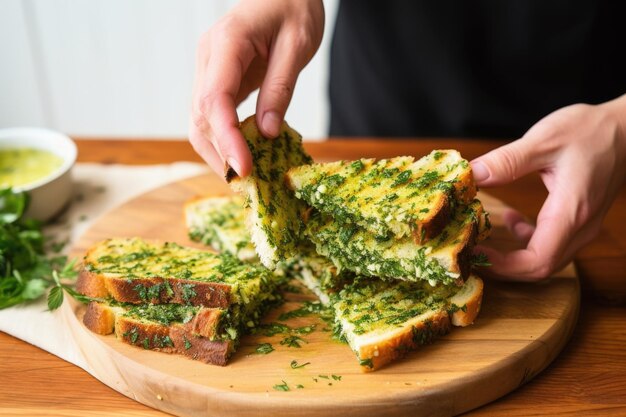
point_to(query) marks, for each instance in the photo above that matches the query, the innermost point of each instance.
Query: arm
(258, 44)
(580, 153)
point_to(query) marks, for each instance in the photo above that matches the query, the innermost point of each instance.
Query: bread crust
(206, 294)
(471, 307)
(191, 339)
(214, 352)
(99, 318)
(464, 309)
(430, 227)
(206, 322)
(462, 254)
(408, 339)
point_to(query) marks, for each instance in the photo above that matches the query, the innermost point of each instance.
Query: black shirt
(470, 68)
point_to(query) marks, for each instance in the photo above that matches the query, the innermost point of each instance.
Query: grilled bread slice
(140, 272)
(398, 196)
(445, 260)
(382, 321)
(219, 222)
(273, 214)
(197, 332)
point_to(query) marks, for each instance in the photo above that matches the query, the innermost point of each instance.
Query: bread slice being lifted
(274, 217)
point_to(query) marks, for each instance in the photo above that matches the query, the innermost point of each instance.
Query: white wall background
(120, 68)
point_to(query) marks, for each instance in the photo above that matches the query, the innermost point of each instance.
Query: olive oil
(23, 166)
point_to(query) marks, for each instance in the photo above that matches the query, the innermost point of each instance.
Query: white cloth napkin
(98, 189)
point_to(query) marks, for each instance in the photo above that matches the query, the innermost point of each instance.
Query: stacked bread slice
(170, 298)
(397, 218)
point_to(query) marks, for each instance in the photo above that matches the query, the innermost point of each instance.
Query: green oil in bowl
(22, 166)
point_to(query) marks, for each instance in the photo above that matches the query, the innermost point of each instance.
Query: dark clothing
(470, 68)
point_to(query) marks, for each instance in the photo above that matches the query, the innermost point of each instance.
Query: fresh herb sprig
(25, 271)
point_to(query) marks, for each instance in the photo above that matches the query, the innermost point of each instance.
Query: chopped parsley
(264, 348)
(480, 259)
(292, 341)
(366, 362)
(281, 387)
(296, 365)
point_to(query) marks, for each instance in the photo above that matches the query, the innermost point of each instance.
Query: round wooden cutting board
(521, 329)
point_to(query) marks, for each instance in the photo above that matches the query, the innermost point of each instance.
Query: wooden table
(589, 377)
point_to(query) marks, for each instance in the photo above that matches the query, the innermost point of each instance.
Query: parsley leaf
(25, 271)
(281, 387)
(264, 348)
(295, 365)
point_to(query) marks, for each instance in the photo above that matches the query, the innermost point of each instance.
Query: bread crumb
(159, 397)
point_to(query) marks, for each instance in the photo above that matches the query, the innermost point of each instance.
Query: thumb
(508, 163)
(277, 87)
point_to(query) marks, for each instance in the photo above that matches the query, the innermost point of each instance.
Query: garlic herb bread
(444, 260)
(382, 321)
(219, 222)
(399, 196)
(205, 218)
(274, 216)
(200, 333)
(151, 275)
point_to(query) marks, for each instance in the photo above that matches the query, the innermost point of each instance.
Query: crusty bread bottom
(376, 350)
(176, 338)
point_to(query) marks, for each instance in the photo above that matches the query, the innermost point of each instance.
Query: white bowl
(50, 194)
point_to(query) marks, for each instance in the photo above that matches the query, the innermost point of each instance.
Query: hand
(580, 153)
(257, 44)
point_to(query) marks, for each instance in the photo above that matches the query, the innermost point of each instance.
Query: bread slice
(219, 222)
(140, 272)
(273, 214)
(398, 196)
(445, 260)
(200, 333)
(382, 321)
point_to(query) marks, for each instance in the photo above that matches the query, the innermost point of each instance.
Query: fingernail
(234, 164)
(480, 171)
(271, 123)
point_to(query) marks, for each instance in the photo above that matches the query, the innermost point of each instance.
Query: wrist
(617, 112)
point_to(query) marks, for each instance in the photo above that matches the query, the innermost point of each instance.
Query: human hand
(257, 44)
(580, 153)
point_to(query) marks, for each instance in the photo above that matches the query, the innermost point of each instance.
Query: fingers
(277, 88)
(518, 225)
(548, 247)
(215, 115)
(205, 148)
(509, 162)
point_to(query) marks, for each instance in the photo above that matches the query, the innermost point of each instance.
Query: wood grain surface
(587, 378)
(521, 329)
